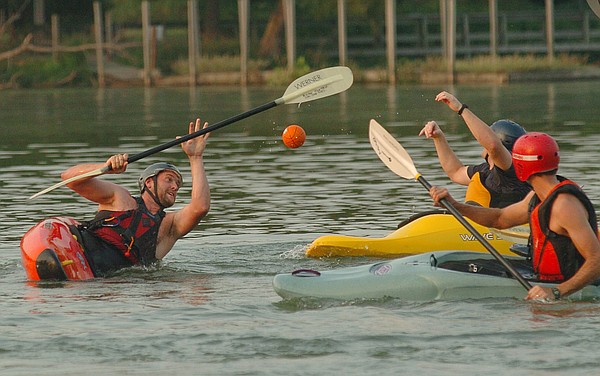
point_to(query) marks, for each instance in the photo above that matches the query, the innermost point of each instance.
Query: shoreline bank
(115, 78)
(116, 75)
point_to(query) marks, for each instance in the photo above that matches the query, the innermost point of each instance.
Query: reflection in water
(551, 102)
(245, 98)
(495, 105)
(131, 285)
(564, 309)
(100, 105)
(343, 107)
(391, 100)
(148, 105)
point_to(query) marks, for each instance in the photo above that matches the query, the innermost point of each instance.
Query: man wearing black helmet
(130, 230)
(492, 183)
(564, 227)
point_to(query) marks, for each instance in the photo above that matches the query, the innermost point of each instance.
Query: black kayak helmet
(508, 131)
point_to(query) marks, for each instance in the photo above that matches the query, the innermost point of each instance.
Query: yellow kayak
(425, 232)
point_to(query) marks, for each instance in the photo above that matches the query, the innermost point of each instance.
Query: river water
(209, 307)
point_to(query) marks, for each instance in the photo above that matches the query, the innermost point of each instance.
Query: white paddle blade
(517, 234)
(391, 152)
(317, 85)
(88, 174)
(595, 5)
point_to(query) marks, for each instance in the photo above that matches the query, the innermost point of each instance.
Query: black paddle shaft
(478, 236)
(208, 129)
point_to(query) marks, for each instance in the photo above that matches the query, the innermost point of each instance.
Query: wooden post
(467, 36)
(38, 12)
(451, 38)
(550, 29)
(342, 36)
(289, 18)
(193, 41)
(444, 28)
(391, 38)
(108, 32)
(424, 27)
(503, 33)
(153, 48)
(146, 42)
(98, 35)
(586, 27)
(39, 21)
(493, 28)
(244, 17)
(55, 36)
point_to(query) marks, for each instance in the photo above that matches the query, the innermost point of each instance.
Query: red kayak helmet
(534, 152)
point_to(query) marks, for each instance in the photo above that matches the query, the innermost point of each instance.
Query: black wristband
(556, 293)
(461, 109)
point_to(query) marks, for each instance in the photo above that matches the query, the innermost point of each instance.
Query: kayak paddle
(310, 87)
(517, 234)
(595, 5)
(393, 155)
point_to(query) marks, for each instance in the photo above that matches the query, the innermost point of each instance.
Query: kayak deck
(424, 232)
(50, 251)
(445, 275)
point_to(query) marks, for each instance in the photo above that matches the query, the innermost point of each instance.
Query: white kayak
(442, 275)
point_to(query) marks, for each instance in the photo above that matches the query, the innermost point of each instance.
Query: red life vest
(133, 232)
(555, 257)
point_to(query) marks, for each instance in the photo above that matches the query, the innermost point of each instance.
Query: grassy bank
(412, 70)
(74, 70)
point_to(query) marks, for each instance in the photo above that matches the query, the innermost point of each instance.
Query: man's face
(168, 184)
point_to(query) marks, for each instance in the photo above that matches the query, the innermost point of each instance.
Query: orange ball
(293, 136)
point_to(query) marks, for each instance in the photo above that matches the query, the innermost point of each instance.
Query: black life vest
(494, 188)
(555, 257)
(117, 239)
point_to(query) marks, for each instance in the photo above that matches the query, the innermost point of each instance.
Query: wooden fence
(420, 35)
(401, 35)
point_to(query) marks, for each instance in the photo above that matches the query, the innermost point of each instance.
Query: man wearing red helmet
(492, 183)
(130, 230)
(564, 229)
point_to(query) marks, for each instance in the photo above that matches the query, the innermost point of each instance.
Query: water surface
(209, 307)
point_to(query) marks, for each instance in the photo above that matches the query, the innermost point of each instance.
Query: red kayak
(50, 251)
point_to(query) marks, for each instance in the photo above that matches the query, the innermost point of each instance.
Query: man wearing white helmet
(564, 228)
(492, 183)
(130, 230)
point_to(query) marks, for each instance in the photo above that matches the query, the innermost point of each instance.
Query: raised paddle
(310, 87)
(397, 159)
(595, 5)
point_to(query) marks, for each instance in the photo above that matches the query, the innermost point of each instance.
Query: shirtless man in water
(130, 230)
